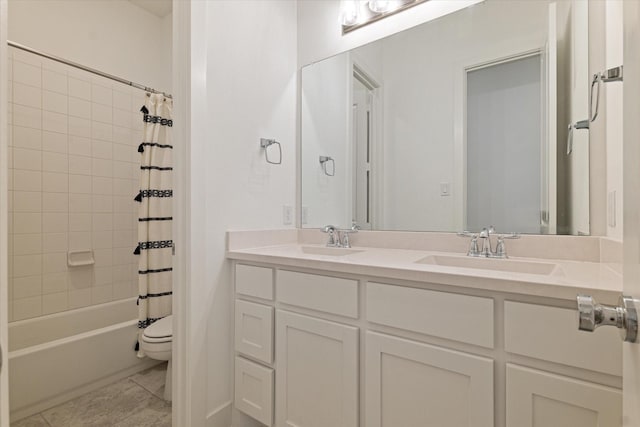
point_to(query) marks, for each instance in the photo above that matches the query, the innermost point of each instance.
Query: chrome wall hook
(326, 159)
(265, 144)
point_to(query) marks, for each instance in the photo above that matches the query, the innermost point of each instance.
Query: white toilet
(156, 343)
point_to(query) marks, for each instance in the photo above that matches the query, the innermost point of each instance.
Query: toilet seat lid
(162, 328)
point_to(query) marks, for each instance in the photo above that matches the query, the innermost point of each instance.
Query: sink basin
(319, 250)
(514, 266)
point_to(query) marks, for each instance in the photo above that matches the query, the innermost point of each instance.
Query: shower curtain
(155, 244)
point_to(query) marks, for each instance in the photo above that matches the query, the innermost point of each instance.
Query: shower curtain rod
(90, 70)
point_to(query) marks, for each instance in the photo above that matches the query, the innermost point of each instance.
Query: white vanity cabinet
(317, 375)
(316, 349)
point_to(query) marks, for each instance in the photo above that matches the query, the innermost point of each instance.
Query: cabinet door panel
(542, 399)
(414, 384)
(254, 390)
(254, 330)
(317, 374)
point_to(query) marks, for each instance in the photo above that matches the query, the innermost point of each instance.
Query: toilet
(156, 343)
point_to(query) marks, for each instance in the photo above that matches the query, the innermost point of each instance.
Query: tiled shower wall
(74, 173)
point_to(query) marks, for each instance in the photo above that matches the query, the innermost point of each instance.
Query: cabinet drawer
(322, 293)
(254, 281)
(551, 333)
(254, 390)
(254, 330)
(456, 317)
(537, 398)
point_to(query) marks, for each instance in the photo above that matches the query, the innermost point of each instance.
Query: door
(317, 374)
(631, 185)
(414, 384)
(4, 212)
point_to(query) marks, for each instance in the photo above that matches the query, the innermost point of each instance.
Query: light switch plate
(445, 189)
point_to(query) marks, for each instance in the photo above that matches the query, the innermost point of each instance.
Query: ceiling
(159, 8)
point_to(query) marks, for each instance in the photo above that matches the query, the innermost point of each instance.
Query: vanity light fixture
(358, 13)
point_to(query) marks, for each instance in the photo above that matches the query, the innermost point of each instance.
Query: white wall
(245, 90)
(113, 36)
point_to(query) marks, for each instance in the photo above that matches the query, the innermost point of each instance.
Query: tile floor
(133, 402)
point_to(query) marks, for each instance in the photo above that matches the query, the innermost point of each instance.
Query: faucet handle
(355, 227)
(328, 229)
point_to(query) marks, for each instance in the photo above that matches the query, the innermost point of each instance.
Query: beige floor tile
(33, 421)
(157, 414)
(152, 379)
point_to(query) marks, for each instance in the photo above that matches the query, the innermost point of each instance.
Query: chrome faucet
(486, 251)
(339, 238)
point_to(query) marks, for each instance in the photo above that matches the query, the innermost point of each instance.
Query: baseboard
(221, 416)
(70, 395)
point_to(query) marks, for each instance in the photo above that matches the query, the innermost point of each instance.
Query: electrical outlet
(287, 215)
(305, 214)
(445, 189)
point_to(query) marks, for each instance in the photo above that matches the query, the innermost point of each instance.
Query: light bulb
(380, 6)
(349, 12)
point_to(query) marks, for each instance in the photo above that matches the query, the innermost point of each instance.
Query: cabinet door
(317, 373)
(411, 384)
(254, 390)
(542, 399)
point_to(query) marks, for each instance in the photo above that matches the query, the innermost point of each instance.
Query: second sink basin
(319, 250)
(515, 266)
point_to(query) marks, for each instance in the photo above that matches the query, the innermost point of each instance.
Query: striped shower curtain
(155, 242)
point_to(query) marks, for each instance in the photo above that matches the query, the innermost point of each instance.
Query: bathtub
(58, 357)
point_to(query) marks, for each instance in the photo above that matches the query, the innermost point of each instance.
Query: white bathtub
(57, 357)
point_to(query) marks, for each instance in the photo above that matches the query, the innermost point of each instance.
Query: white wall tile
(124, 239)
(103, 276)
(122, 273)
(101, 95)
(55, 222)
(79, 165)
(123, 152)
(27, 159)
(101, 294)
(27, 244)
(79, 222)
(103, 257)
(24, 180)
(24, 222)
(54, 303)
(80, 240)
(54, 142)
(26, 137)
(122, 187)
(26, 57)
(101, 131)
(124, 256)
(55, 202)
(54, 282)
(25, 287)
(54, 122)
(102, 167)
(122, 100)
(27, 308)
(26, 95)
(27, 74)
(79, 146)
(80, 298)
(102, 204)
(55, 242)
(79, 203)
(102, 222)
(101, 113)
(53, 101)
(27, 265)
(122, 120)
(55, 66)
(54, 262)
(27, 116)
(122, 170)
(79, 108)
(27, 201)
(55, 82)
(121, 290)
(102, 240)
(102, 186)
(79, 88)
(55, 162)
(54, 182)
(80, 278)
(79, 184)
(79, 127)
(123, 221)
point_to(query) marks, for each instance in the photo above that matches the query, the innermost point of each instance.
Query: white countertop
(601, 280)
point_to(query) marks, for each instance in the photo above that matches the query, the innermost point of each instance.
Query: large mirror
(455, 124)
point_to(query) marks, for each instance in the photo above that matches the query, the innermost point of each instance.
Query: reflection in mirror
(455, 124)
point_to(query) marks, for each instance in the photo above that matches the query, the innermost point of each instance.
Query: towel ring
(326, 159)
(265, 144)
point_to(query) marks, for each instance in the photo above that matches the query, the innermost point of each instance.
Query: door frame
(4, 221)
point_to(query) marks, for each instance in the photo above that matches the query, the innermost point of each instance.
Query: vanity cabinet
(415, 384)
(317, 375)
(315, 349)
